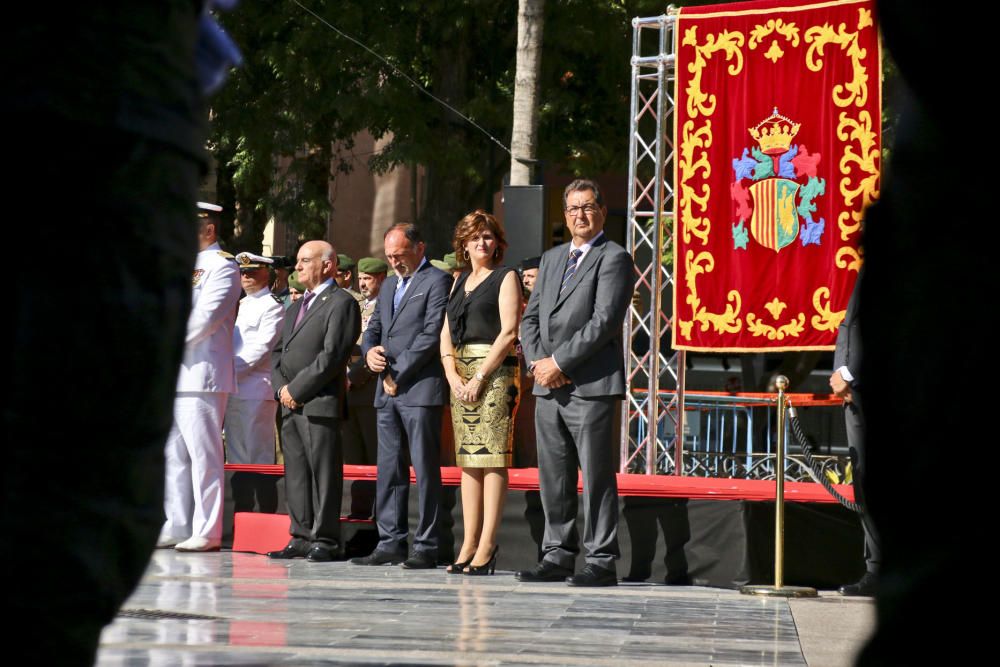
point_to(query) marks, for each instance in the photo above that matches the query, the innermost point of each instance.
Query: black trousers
(314, 477)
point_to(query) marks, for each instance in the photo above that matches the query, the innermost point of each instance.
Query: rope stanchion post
(779, 589)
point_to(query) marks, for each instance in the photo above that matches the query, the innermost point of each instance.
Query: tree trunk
(524, 136)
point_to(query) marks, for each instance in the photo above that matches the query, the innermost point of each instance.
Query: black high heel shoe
(489, 567)
(457, 567)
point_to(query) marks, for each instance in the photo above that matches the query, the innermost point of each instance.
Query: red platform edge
(653, 486)
(260, 533)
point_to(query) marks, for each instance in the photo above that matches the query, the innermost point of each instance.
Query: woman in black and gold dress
(477, 351)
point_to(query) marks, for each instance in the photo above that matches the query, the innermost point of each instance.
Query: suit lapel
(321, 302)
(589, 260)
(550, 282)
(415, 282)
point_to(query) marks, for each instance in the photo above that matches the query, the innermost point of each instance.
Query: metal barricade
(731, 435)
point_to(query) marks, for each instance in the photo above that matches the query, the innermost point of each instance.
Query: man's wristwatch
(479, 376)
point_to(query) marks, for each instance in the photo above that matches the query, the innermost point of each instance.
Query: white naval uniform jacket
(208, 351)
(258, 327)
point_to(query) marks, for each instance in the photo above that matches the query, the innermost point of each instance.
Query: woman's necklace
(470, 290)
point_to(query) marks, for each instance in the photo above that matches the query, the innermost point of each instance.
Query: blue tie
(398, 296)
(574, 257)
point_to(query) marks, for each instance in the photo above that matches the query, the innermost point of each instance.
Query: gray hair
(581, 184)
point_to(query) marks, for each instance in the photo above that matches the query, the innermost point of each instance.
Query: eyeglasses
(248, 272)
(588, 209)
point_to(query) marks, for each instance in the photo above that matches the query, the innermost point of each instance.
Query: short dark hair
(581, 184)
(410, 231)
(475, 222)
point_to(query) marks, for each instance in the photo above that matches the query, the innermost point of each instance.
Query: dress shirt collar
(322, 286)
(409, 278)
(260, 294)
(585, 248)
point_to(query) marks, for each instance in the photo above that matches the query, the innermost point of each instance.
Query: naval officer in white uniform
(194, 460)
(250, 413)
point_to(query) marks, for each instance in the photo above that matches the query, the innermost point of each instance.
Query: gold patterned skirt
(484, 429)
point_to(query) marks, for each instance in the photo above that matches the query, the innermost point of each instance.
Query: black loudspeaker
(524, 221)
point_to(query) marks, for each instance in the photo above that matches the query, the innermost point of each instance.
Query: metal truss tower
(652, 423)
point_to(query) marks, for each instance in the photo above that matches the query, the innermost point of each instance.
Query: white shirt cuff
(846, 374)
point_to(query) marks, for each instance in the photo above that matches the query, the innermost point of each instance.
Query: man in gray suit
(572, 340)
(308, 370)
(846, 385)
(401, 343)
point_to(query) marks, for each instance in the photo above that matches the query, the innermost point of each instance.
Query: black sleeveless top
(475, 318)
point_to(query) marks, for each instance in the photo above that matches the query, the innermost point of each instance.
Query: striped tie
(574, 257)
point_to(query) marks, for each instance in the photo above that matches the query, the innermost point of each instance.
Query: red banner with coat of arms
(778, 141)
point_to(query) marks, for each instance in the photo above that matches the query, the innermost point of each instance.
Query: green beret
(293, 282)
(344, 262)
(446, 263)
(372, 265)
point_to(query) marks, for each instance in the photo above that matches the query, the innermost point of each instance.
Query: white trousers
(250, 430)
(194, 495)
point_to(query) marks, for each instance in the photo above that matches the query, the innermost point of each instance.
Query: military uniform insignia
(367, 311)
(198, 273)
(782, 184)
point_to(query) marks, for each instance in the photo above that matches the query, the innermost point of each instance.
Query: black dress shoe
(378, 558)
(293, 549)
(593, 575)
(421, 560)
(544, 571)
(363, 543)
(866, 586)
(321, 554)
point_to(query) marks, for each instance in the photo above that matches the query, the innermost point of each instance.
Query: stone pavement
(231, 608)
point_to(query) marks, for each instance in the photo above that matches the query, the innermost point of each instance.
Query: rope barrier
(813, 468)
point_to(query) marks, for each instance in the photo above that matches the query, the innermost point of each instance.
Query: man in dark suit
(309, 365)
(401, 343)
(846, 385)
(572, 339)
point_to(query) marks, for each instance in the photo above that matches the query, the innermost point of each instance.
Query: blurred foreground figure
(105, 107)
(925, 306)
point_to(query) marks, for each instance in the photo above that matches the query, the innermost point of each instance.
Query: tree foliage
(303, 88)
